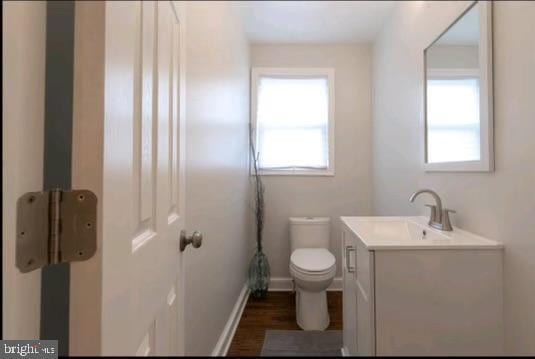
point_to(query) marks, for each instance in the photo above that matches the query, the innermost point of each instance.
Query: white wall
(453, 56)
(349, 191)
(217, 182)
(499, 205)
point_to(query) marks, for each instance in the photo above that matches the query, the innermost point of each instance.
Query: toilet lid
(312, 259)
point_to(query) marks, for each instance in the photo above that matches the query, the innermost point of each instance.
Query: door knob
(195, 240)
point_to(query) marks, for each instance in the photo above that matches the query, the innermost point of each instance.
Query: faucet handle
(446, 213)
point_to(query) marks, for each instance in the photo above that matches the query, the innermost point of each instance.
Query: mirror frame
(486, 162)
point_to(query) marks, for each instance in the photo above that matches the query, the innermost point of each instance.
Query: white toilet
(313, 268)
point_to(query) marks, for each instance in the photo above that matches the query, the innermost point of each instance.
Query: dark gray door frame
(55, 280)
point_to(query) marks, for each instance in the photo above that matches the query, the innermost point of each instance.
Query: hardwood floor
(277, 311)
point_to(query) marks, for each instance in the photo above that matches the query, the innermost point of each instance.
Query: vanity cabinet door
(349, 295)
(364, 294)
(365, 325)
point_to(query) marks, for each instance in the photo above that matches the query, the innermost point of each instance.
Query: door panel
(139, 183)
(155, 259)
(364, 284)
(23, 84)
(144, 136)
(365, 342)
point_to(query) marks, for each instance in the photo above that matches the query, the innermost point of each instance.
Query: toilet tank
(309, 232)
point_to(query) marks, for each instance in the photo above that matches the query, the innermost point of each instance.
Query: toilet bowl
(313, 271)
(312, 268)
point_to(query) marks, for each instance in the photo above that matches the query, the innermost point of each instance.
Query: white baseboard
(282, 284)
(223, 344)
(344, 352)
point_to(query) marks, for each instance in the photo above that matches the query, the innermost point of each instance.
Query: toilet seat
(312, 261)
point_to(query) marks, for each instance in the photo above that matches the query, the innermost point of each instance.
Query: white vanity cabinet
(358, 301)
(437, 294)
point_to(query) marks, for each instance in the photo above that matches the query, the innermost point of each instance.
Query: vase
(259, 275)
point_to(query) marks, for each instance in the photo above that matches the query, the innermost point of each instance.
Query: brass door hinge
(55, 226)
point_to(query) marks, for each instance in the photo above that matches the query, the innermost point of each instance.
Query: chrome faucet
(439, 217)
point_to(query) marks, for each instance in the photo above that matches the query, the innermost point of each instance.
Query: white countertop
(383, 233)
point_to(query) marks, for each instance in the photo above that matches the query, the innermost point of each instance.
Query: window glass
(292, 122)
(453, 128)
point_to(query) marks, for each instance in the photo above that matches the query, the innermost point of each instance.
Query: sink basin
(412, 233)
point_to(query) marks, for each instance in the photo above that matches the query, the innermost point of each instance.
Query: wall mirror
(458, 94)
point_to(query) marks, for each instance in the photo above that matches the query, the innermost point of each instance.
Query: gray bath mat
(302, 343)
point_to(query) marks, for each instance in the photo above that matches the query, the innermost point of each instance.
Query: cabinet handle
(348, 265)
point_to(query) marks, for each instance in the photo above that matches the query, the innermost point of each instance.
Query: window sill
(297, 173)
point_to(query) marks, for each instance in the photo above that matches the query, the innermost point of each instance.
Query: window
(453, 117)
(293, 117)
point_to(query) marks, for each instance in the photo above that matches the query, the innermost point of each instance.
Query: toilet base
(311, 310)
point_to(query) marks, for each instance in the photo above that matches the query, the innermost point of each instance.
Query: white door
(23, 100)
(128, 147)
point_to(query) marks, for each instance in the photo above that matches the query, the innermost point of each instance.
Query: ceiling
(313, 21)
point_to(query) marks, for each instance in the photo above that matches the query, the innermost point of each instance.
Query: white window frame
(294, 72)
